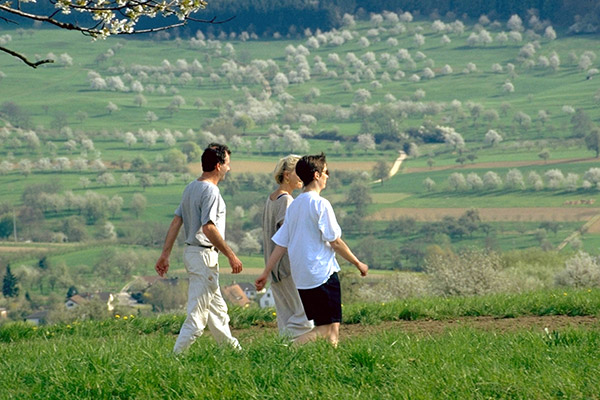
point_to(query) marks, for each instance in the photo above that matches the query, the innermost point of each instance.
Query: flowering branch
(110, 17)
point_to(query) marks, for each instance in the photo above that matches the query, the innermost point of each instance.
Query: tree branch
(50, 20)
(9, 21)
(211, 21)
(24, 59)
(157, 29)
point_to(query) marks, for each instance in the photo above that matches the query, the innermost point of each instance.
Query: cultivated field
(524, 214)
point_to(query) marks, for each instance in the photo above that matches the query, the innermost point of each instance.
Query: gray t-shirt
(201, 203)
(273, 219)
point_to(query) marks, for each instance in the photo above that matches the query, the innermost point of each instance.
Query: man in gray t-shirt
(202, 214)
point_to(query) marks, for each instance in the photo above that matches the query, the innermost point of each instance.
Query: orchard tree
(555, 178)
(138, 204)
(514, 179)
(139, 100)
(491, 180)
(166, 177)
(106, 179)
(457, 181)
(114, 205)
(582, 123)
(429, 184)
(474, 182)
(146, 181)
(592, 141)
(522, 119)
(112, 107)
(128, 179)
(250, 243)
(9, 284)
(452, 138)
(543, 117)
(244, 122)
(94, 207)
(100, 19)
(366, 142)
(381, 171)
(359, 196)
(515, 23)
(592, 175)
(492, 138)
(535, 180)
(191, 150)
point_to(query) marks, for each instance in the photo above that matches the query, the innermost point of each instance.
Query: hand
(162, 266)
(236, 264)
(363, 268)
(261, 281)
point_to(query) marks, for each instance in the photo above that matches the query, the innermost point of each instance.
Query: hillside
(498, 118)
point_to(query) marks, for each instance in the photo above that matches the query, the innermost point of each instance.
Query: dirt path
(428, 327)
(435, 327)
(396, 167)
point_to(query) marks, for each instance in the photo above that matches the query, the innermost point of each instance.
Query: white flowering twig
(109, 17)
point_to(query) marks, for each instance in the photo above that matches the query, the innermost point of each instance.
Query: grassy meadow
(130, 357)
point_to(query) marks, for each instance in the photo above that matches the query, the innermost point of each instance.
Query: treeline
(265, 17)
(293, 17)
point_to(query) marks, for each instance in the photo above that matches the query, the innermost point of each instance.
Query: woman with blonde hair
(291, 318)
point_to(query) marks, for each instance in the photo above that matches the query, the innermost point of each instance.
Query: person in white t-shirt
(291, 318)
(311, 235)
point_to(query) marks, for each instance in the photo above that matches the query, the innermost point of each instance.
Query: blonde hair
(288, 164)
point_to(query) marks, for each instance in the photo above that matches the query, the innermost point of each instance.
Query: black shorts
(323, 304)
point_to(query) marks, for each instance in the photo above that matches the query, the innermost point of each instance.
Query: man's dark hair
(308, 165)
(214, 154)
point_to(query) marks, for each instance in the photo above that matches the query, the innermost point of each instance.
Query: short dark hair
(214, 154)
(308, 165)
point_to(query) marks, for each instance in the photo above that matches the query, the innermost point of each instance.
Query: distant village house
(235, 295)
(267, 299)
(80, 299)
(249, 289)
(37, 318)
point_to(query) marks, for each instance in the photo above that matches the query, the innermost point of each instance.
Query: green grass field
(130, 357)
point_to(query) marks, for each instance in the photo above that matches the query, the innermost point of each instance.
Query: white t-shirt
(309, 226)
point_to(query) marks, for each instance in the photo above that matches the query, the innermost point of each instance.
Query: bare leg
(310, 336)
(331, 332)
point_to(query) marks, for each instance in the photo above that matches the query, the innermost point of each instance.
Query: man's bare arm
(162, 265)
(213, 234)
